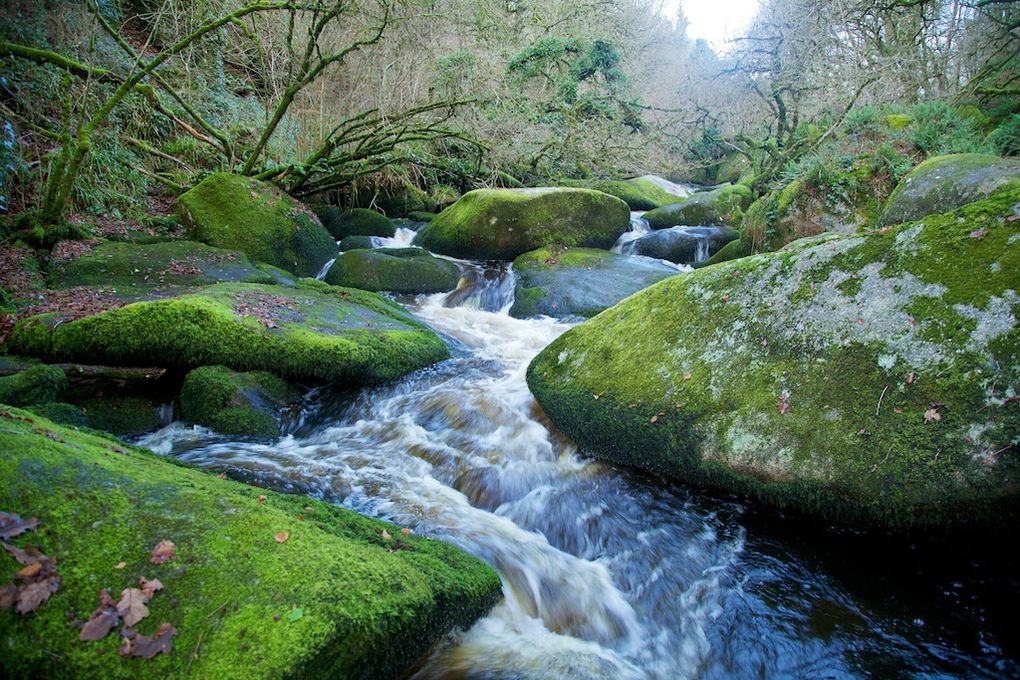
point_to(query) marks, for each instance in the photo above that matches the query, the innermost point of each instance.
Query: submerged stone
(334, 598)
(947, 182)
(311, 331)
(683, 245)
(579, 281)
(501, 224)
(867, 379)
(397, 270)
(723, 205)
(240, 213)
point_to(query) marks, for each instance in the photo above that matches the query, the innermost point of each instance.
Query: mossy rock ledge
(723, 205)
(240, 213)
(501, 224)
(398, 270)
(311, 331)
(579, 281)
(947, 182)
(334, 599)
(868, 379)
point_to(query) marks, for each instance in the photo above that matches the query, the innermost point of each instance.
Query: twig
(879, 407)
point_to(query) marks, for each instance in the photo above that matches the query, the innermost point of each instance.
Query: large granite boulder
(397, 270)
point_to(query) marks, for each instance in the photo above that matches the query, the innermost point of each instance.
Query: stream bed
(608, 573)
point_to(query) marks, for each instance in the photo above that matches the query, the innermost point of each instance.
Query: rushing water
(608, 573)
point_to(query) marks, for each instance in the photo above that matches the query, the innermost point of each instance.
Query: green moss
(357, 243)
(33, 385)
(734, 250)
(398, 270)
(722, 206)
(355, 222)
(802, 378)
(443, 195)
(735, 169)
(311, 331)
(944, 183)
(640, 193)
(154, 270)
(235, 403)
(898, 121)
(122, 415)
(501, 224)
(61, 413)
(239, 213)
(369, 606)
(421, 216)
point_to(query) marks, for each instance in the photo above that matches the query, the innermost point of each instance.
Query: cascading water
(606, 573)
(638, 227)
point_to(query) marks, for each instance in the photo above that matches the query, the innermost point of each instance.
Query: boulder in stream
(501, 224)
(311, 331)
(683, 245)
(640, 193)
(571, 282)
(868, 379)
(256, 584)
(397, 270)
(235, 403)
(240, 213)
(722, 205)
(946, 182)
(355, 222)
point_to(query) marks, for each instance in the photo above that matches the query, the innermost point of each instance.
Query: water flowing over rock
(682, 245)
(581, 282)
(859, 378)
(501, 224)
(723, 205)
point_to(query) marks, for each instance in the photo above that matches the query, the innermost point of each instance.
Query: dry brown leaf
(931, 415)
(102, 622)
(8, 595)
(386, 535)
(120, 565)
(12, 525)
(150, 587)
(29, 571)
(281, 537)
(31, 595)
(132, 607)
(146, 647)
(654, 419)
(262, 498)
(163, 552)
(405, 531)
(27, 556)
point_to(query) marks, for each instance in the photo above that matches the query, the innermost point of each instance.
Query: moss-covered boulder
(154, 270)
(423, 216)
(640, 193)
(259, 585)
(359, 243)
(683, 245)
(311, 331)
(947, 182)
(575, 282)
(235, 403)
(61, 413)
(397, 270)
(501, 224)
(240, 213)
(735, 169)
(723, 205)
(868, 378)
(125, 415)
(36, 384)
(355, 222)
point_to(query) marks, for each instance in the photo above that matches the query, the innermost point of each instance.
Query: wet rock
(397, 270)
(683, 245)
(235, 403)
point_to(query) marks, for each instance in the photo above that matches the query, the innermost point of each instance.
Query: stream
(608, 573)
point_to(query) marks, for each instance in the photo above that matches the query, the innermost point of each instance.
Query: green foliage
(938, 128)
(1005, 139)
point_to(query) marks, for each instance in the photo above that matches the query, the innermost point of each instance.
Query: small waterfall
(638, 227)
(401, 239)
(486, 287)
(325, 270)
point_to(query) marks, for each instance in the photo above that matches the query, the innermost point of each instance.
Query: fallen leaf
(978, 233)
(8, 595)
(163, 552)
(281, 537)
(120, 565)
(262, 498)
(12, 525)
(911, 377)
(29, 571)
(726, 298)
(688, 376)
(386, 535)
(783, 403)
(146, 647)
(295, 614)
(132, 607)
(654, 419)
(31, 595)
(150, 587)
(222, 475)
(405, 531)
(932, 414)
(26, 556)
(102, 622)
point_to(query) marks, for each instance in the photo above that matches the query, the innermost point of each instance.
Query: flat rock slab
(259, 585)
(311, 331)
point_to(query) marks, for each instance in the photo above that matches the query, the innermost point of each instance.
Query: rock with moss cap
(154, 270)
(947, 182)
(735, 168)
(311, 331)
(723, 205)
(682, 245)
(579, 282)
(235, 403)
(397, 270)
(640, 193)
(240, 213)
(865, 379)
(355, 222)
(35, 384)
(501, 224)
(265, 585)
